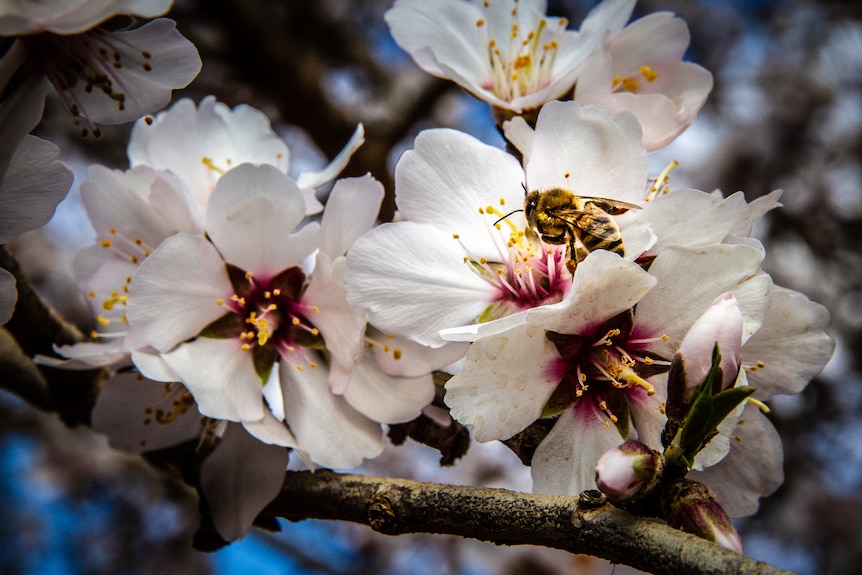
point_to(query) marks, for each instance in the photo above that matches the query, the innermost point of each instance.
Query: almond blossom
(177, 158)
(102, 76)
(457, 263)
(505, 52)
(639, 69)
(261, 336)
(598, 364)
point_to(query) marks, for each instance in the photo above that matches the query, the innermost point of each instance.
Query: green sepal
(498, 309)
(706, 413)
(263, 357)
(227, 326)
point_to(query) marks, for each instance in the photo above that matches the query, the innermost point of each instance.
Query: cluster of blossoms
(232, 306)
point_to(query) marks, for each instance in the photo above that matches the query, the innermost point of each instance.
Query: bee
(561, 217)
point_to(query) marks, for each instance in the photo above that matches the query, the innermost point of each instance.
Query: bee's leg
(572, 262)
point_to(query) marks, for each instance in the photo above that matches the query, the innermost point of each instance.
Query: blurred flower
(459, 267)
(236, 318)
(505, 52)
(240, 475)
(32, 181)
(638, 69)
(103, 76)
(595, 363)
(629, 469)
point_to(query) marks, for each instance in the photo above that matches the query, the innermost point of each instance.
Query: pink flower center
(525, 273)
(606, 366)
(269, 317)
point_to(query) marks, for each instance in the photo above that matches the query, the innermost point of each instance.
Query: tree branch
(585, 525)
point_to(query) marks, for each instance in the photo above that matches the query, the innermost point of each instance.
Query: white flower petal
(413, 282)
(400, 357)
(477, 331)
(753, 212)
(604, 285)
(239, 479)
(752, 469)
(200, 144)
(140, 84)
(220, 376)
(308, 180)
(647, 412)
(341, 325)
(250, 216)
(175, 292)
(585, 151)
(8, 295)
(449, 177)
(87, 355)
(139, 414)
(565, 461)
(138, 204)
(35, 182)
(656, 37)
(689, 279)
(326, 427)
(441, 32)
(21, 106)
(271, 430)
(521, 135)
(351, 210)
(71, 16)
(505, 383)
(153, 365)
(609, 16)
(387, 399)
(792, 344)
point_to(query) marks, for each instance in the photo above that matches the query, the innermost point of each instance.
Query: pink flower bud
(627, 470)
(692, 507)
(721, 324)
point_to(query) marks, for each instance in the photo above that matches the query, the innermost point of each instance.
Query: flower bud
(627, 470)
(692, 507)
(720, 324)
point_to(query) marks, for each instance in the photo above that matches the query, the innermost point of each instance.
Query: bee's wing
(591, 220)
(613, 207)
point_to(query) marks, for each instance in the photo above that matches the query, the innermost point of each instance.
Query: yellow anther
(480, 22)
(648, 73)
(295, 321)
(315, 331)
(219, 302)
(396, 353)
(102, 320)
(276, 292)
(248, 275)
(106, 243)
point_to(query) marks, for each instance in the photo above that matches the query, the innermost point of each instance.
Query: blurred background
(786, 112)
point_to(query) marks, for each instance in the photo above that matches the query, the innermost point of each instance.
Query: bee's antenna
(526, 191)
(509, 214)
